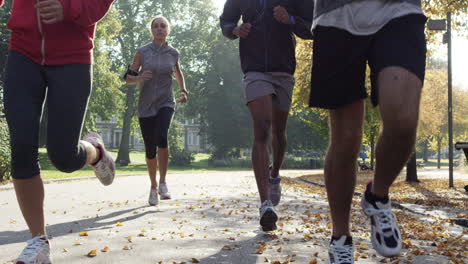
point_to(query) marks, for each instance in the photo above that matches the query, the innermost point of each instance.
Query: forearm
(181, 81)
(230, 18)
(130, 79)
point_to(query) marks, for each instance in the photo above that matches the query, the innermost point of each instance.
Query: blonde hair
(165, 21)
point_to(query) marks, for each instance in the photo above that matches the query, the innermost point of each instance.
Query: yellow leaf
(105, 249)
(119, 224)
(83, 233)
(77, 242)
(313, 261)
(126, 247)
(92, 253)
(194, 260)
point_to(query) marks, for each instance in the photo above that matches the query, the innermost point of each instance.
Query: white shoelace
(344, 254)
(386, 218)
(33, 246)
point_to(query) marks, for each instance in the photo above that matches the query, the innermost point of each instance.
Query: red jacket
(65, 42)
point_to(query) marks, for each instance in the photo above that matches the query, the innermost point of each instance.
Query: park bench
(464, 146)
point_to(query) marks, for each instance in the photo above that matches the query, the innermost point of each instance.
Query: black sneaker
(385, 234)
(341, 250)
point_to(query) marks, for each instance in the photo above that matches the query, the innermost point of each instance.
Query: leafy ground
(431, 232)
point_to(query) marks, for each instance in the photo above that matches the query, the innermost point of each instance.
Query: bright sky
(459, 54)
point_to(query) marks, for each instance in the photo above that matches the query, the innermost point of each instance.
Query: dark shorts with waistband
(340, 59)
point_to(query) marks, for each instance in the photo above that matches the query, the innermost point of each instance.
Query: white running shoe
(153, 197)
(37, 251)
(268, 216)
(341, 251)
(385, 234)
(164, 192)
(105, 167)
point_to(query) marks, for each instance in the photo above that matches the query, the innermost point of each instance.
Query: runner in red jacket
(50, 55)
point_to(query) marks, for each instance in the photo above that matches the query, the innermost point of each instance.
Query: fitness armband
(129, 72)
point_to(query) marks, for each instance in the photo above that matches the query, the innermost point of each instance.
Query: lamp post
(446, 25)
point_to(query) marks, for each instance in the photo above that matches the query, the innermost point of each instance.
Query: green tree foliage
(106, 97)
(178, 155)
(226, 117)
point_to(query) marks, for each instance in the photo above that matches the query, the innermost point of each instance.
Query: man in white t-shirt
(387, 35)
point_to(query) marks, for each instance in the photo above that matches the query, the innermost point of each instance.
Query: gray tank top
(157, 92)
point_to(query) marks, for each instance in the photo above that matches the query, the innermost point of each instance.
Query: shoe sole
(162, 197)
(268, 221)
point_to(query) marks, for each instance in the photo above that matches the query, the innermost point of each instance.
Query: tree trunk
(411, 171)
(425, 151)
(439, 142)
(123, 157)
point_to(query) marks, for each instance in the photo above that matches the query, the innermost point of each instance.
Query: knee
(150, 152)
(64, 161)
(262, 131)
(24, 161)
(162, 141)
(402, 128)
(346, 144)
(279, 135)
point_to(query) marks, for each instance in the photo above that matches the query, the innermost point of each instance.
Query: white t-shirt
(365, 17)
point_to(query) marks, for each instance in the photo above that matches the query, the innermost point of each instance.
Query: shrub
(5, 171)
(181, 158)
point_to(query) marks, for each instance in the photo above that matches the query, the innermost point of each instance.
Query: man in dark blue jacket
(267, 53)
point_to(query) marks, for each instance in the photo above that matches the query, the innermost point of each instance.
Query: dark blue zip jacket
(270, 45)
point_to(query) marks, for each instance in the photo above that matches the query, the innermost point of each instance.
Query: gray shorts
(278, 84)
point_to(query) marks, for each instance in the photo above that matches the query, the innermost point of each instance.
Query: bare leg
(92, 153)
(260, 110)
(152, 165)
(279, 140)
(30, 195)
(163, 160)
(340, 163)
(399, 97)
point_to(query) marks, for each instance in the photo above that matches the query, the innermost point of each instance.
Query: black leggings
(155, 130)
(67, 88)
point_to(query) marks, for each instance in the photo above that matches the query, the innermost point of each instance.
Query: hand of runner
(242, 31)
(51, 11)
(281, 15)
(145, 76)
(183, 98)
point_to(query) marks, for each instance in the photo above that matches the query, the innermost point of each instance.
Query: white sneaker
(385, 234)
(274, 185)
(105, 167)
(268, 216)
(164, 192)
(36, 252)
(341, 251)
(153, 197)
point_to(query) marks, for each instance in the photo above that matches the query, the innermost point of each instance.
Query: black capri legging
(155, 130)
(67, 88)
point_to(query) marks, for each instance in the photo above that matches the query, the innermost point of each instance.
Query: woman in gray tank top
(152, 69)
